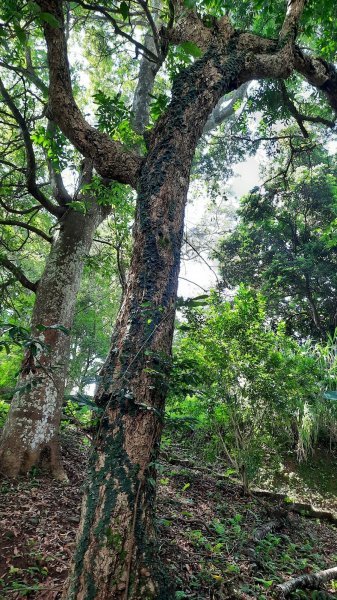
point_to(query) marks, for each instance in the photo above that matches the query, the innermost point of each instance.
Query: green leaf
(20, 33)
(50, 19)
(195, 302)
(124, 9)
(190, 3)
(191, 49)
(230, 472)
(266, 583)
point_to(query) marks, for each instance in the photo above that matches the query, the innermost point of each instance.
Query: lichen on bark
(31, 433)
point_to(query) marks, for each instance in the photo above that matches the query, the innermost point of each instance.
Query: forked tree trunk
(30, 435)
(115, 557)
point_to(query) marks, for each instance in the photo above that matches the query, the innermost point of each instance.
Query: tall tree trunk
(115, 556)
(30, 435)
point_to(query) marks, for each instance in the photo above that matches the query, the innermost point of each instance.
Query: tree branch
(193, 283)
(289, 29)
(138, 45)
(32, 186)
(60, 193)
(28, 227)
(201, 257)
(110, 158)
(292, 109)
(24, 211)
(299, 117)
(311, 581)
(29, 73)
(154, 30)
(18, 273)
(188, 27)
(319, 73)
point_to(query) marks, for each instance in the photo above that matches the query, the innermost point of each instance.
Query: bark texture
(30, 435)
(110, 158)
(311, 581)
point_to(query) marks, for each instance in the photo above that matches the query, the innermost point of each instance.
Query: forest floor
(216, 542)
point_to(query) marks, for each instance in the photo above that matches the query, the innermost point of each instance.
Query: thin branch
(193, 283)
(292, 109)
(153, 26)
(317, 119)
(24, 211)
(18, 273)
(31, 228)
(138, 45)
(300, 117)
(29, 73)
(102, 241)
(60, 192)
(32, 186)
(111, 158)
(201, 257)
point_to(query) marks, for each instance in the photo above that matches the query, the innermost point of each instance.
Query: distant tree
(281, 246)
(248, 387)
(34, 203)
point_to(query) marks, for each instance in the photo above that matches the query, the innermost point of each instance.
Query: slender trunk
(142, 98)
(115, 557)
(30, 435)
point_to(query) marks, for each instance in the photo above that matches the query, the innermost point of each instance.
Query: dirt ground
(213, 540)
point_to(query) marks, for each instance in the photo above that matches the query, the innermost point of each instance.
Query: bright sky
(245, 178)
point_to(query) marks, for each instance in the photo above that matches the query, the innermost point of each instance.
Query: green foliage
(158, 106)
(25, 581)
(113, 117)
(55, 145)
(247, 386)
(279, 246)
(4, 409)
(181, 56)
(111, 112)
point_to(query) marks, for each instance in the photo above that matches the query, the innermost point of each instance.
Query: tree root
(312, 581)
(302, 508)
(269, 527)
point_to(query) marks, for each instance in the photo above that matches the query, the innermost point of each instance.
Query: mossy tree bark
(30, 435)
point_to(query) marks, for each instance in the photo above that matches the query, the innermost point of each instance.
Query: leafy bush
(253, 391)
(4, 408)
